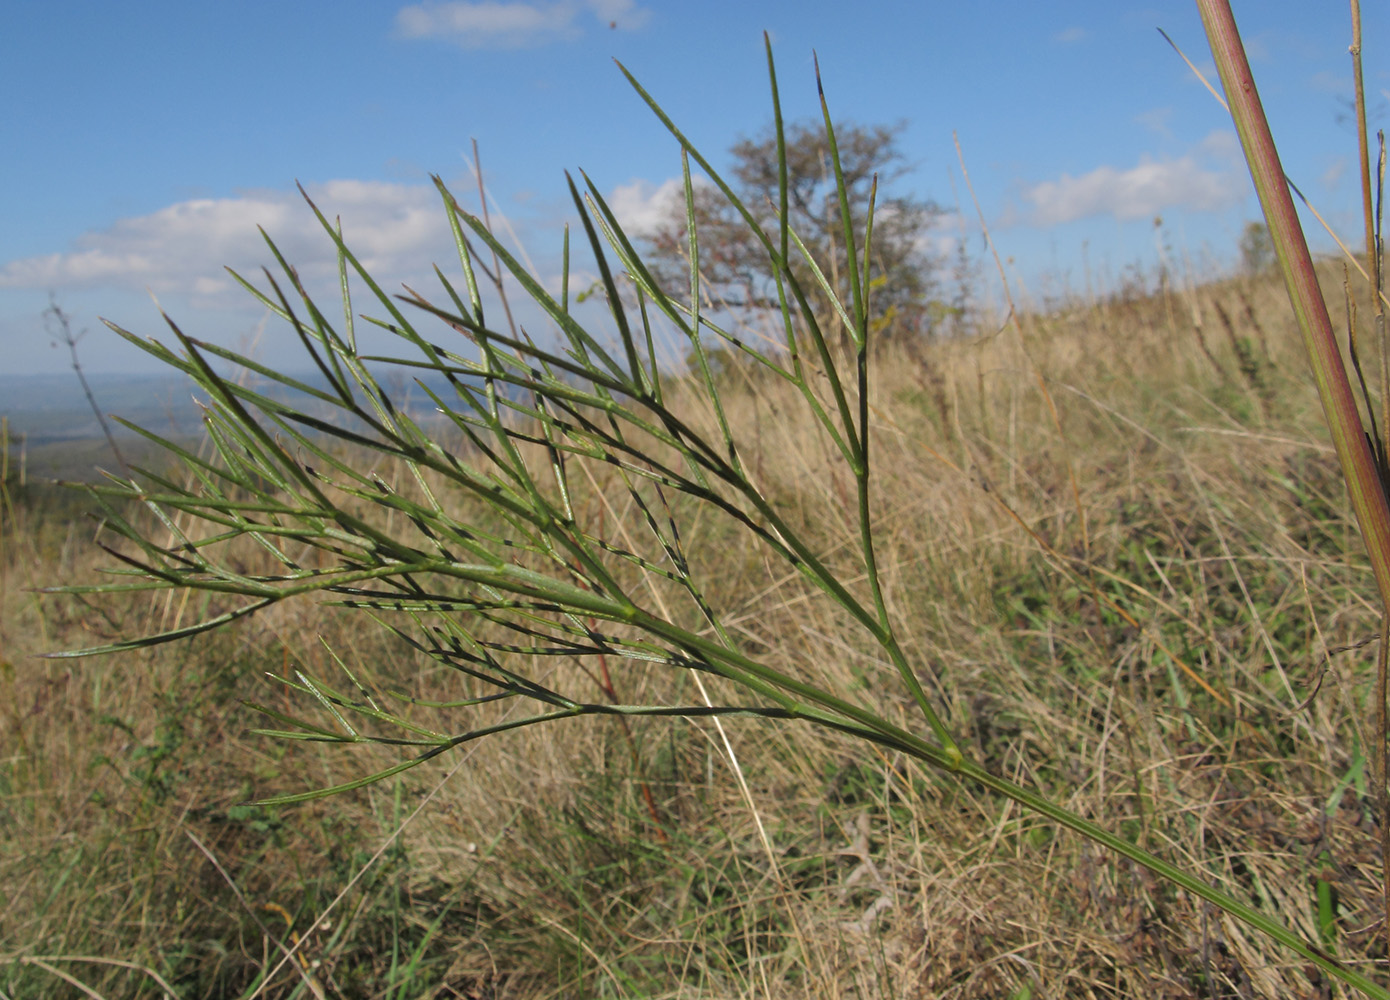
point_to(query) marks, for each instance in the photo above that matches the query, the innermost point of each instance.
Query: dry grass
(1176, 646)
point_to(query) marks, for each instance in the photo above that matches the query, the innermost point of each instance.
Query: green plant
(484, 541)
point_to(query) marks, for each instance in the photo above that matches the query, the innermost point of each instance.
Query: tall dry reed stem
(1365, 476)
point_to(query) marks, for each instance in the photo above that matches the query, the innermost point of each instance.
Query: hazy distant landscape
(55, 434)
(50, 408)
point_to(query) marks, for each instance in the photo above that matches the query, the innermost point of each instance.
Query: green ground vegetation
(1140, 591)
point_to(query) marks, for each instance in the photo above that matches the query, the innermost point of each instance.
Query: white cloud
(1207, 179)
(182, 248)
(1223, 145)
(1070, 36)
(641, 206)
(942, 236)
(1156, 120)
(1331, 178)
(514, 24)
(623, 13)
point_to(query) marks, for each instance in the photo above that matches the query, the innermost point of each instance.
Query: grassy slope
(1206, 506)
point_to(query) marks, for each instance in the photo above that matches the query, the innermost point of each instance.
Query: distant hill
(51, 408)
(52, 423)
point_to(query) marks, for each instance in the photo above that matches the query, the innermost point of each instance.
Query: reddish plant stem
(1296, 264)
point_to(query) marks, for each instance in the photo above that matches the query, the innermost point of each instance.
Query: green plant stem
(1373, 261)
(941, 758)
(1364, 153)
(1247, 914)
(1296, 265)
(1358, 464)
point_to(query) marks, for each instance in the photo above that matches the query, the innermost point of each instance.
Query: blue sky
(146, 141)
